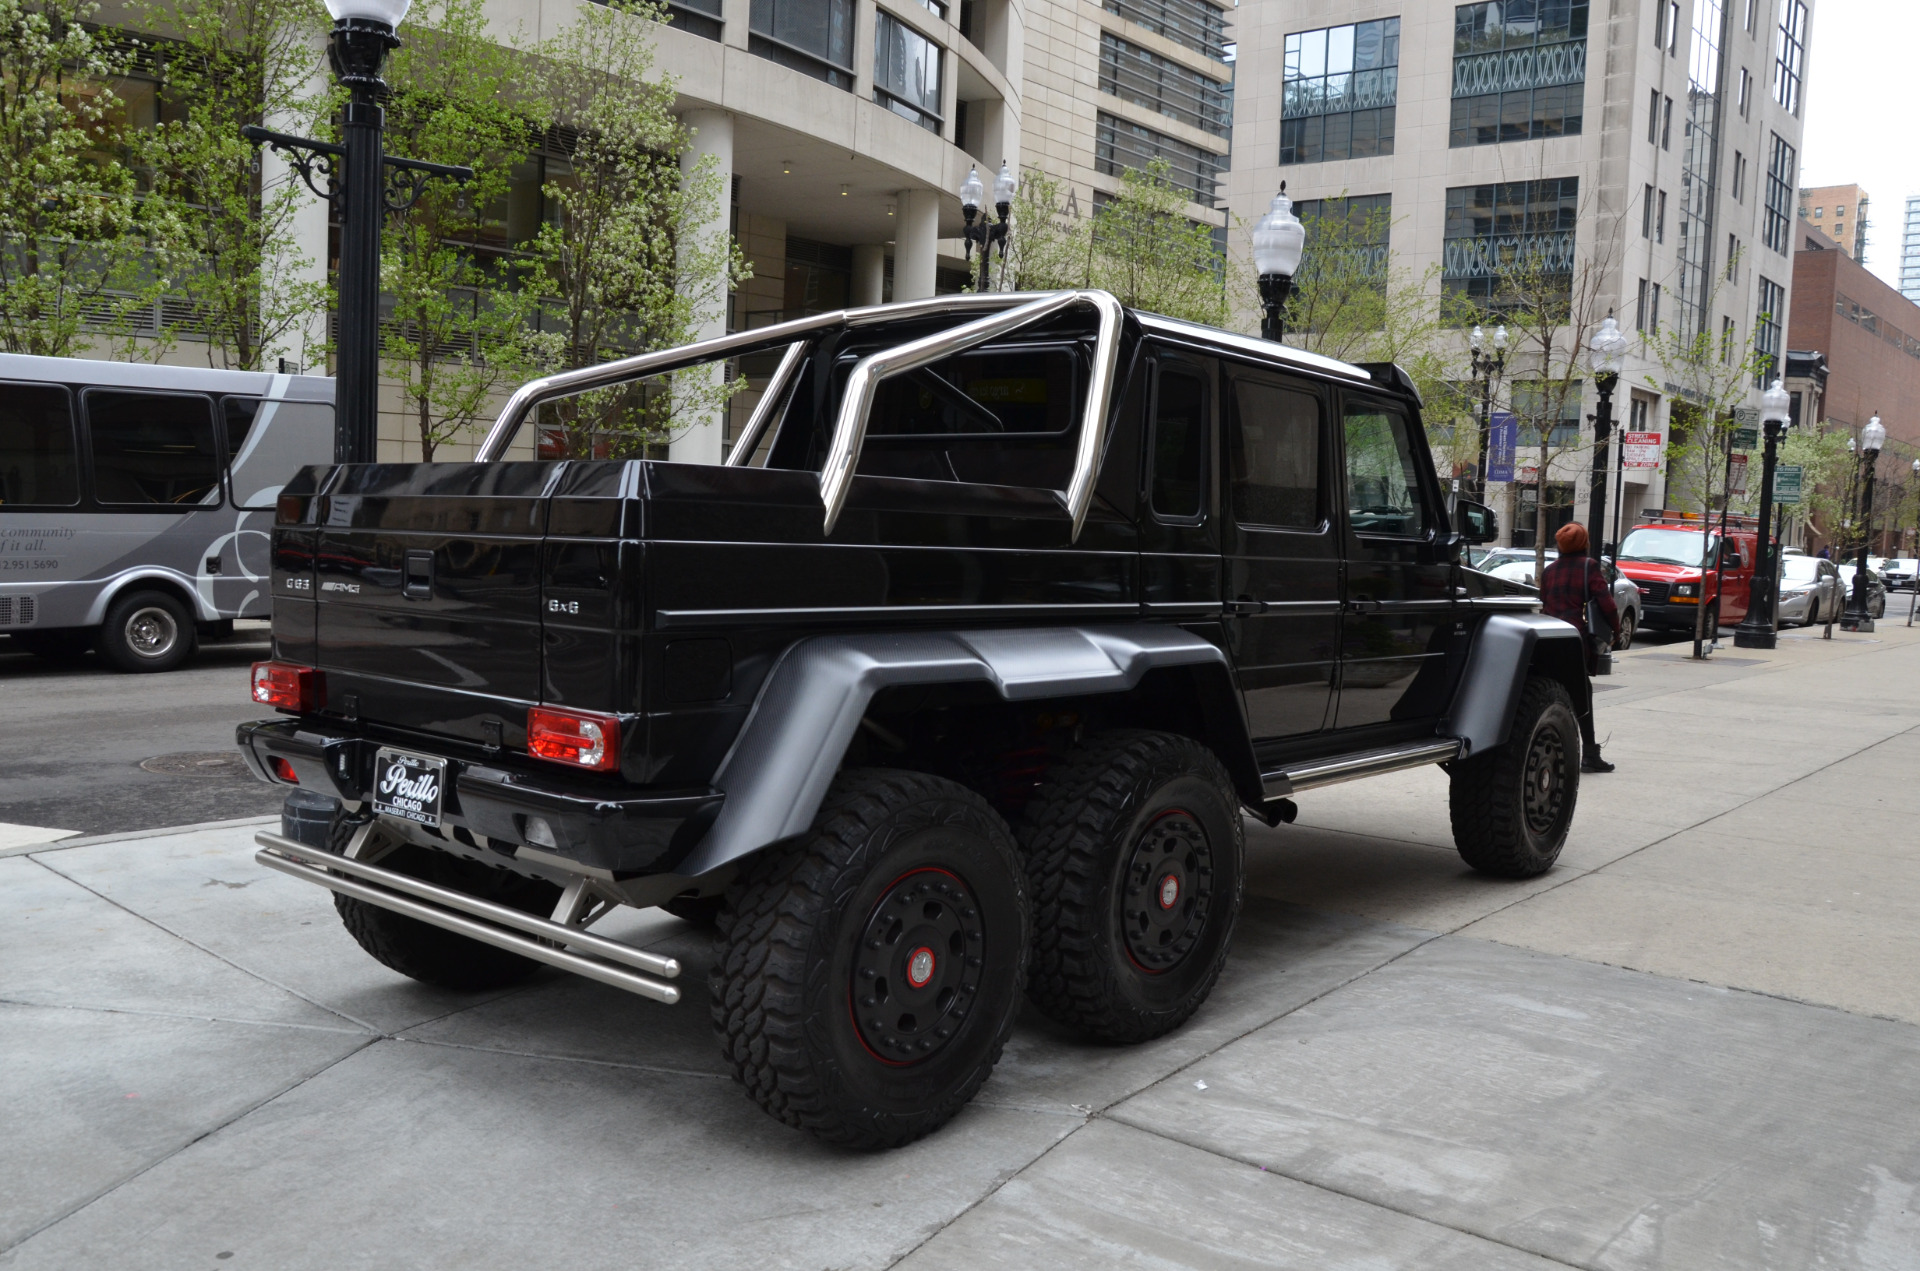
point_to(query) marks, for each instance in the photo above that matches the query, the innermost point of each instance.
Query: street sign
(1787, 483)
(1639, 449)
(1737, 475)
(1503, 439)
(1746, 438)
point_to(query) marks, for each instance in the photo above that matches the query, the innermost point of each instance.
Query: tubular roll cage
(1008, 312)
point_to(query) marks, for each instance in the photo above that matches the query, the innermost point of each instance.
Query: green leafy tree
(246, 289)
(76, 238)
(460, 327)
(622, 259)
(1826, 471)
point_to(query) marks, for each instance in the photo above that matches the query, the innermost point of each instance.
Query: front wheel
(1629, 624)
(1134, 850)
(146, 631)
(1512, 806)
(866, 978)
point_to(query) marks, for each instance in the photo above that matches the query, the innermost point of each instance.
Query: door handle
(1363, 604)
(1246, 605)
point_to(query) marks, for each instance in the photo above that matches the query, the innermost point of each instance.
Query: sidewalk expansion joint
(186, 1016)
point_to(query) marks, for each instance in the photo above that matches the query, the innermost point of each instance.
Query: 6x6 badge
(408, 786)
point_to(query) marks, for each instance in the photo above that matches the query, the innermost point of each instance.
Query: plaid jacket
(1567, 584)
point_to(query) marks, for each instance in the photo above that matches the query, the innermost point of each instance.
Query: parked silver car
(1810, 590)
(1515, 565)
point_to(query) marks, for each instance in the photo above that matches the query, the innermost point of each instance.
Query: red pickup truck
(1662, 556)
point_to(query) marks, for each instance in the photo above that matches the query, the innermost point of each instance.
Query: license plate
(408, 786)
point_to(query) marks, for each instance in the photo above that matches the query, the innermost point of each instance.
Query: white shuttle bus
(136, 502)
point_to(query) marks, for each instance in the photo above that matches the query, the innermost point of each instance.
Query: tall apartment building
(1910, 251)
(1839, 212)
(1654, 142)
(1115, 84)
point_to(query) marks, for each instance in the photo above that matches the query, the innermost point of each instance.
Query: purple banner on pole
(1503, 439)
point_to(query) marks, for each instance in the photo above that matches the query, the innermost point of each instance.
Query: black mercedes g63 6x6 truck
(953, 683)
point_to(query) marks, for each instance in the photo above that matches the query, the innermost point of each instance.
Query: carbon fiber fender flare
(1507, 648)
(778, 770)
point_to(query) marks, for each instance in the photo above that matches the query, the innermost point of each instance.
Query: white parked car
(1810, 590)
(1515, 565)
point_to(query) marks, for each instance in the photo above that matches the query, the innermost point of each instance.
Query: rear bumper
(591, 824)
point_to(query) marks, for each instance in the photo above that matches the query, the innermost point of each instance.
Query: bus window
(37, 463)
(267, 442)
(153, 448)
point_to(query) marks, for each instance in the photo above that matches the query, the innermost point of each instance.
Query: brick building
(1869, 332)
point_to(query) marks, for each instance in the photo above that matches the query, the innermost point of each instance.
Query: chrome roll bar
(769, 404)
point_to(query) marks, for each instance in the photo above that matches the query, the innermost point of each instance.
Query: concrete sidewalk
(1695, 1044)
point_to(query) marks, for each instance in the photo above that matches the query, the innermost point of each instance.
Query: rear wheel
(146, 631)
(1134, 851)
(431, 954)
(1512, 806)
(1629, 624)
(866, 978)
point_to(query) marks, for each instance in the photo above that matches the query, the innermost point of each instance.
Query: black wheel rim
(1546, 781)
(917, 970)
(1166, 892)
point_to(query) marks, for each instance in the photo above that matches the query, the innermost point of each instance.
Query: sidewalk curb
(124, 836)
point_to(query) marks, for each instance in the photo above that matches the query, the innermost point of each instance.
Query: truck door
(1179, 533)
(1281, 557)
(1398, 605)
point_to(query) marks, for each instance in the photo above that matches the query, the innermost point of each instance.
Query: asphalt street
(76, 737)
(1695, 1044)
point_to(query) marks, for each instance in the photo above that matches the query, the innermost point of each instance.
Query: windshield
(1800, 568)
(1664, 547)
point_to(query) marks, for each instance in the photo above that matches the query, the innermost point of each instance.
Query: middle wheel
(1135, 854)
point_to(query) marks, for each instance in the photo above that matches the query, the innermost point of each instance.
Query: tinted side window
(267, 442)
(153, 448)
(1179, 444)
(1383, 475)
(37, 462)
(1274, 458)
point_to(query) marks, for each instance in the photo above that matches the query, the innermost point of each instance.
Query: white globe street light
(1279, 240)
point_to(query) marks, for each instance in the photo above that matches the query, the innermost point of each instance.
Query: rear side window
(1274, 456)
(1179, 445)
(38, 467)
(996, 393)
(267, 442)
(153, 449)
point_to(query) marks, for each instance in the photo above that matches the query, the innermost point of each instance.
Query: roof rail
(1694, 520)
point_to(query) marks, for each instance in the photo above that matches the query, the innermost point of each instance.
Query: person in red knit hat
(1567, 586)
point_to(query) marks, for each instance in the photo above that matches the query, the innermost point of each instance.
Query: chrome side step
(598, 958)
(1368, 763)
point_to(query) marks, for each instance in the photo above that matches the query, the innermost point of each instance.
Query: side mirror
(1734, 560)
(1475, 521)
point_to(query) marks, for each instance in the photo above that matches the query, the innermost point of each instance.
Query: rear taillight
(289, 686)
(575, 738)
(290, 509)
(284, 770)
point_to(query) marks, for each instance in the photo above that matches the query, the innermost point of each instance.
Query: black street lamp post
(1759, 629)
(1487, 368)
(1609, 348)
(362, 183)
(989, 232)
(1872, 438)
(1278, 241)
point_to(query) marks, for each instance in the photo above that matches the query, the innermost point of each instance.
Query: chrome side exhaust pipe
(594, 957)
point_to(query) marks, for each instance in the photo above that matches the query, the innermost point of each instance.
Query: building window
(1733, 259)
(1194, 23)
(1359, 225)
(1119, 145)
(1666, 123)
(696, 17)
(1518, 78)
(1726, 340)
(1339, 91)
(1646, 213)
(1780, 175)
(1746, 94)
(814, 37)
(1653, 117)
(1640, 307)
(906, 72)
(1653, 309)
(1514, 235)
(1133, 74)
(1673, 28)
(1660, 220)
(1790, 58)
(1556, 405)
(1753, 7)
(1739, 177)
(1766, 327)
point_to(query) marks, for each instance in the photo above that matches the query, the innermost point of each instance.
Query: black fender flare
(777, 772)
(1507, 648)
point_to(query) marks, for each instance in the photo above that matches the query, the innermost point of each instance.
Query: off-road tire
(1085, 835)
(146, 631)
(801, 921)
(1495, 828)
(430, 954)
